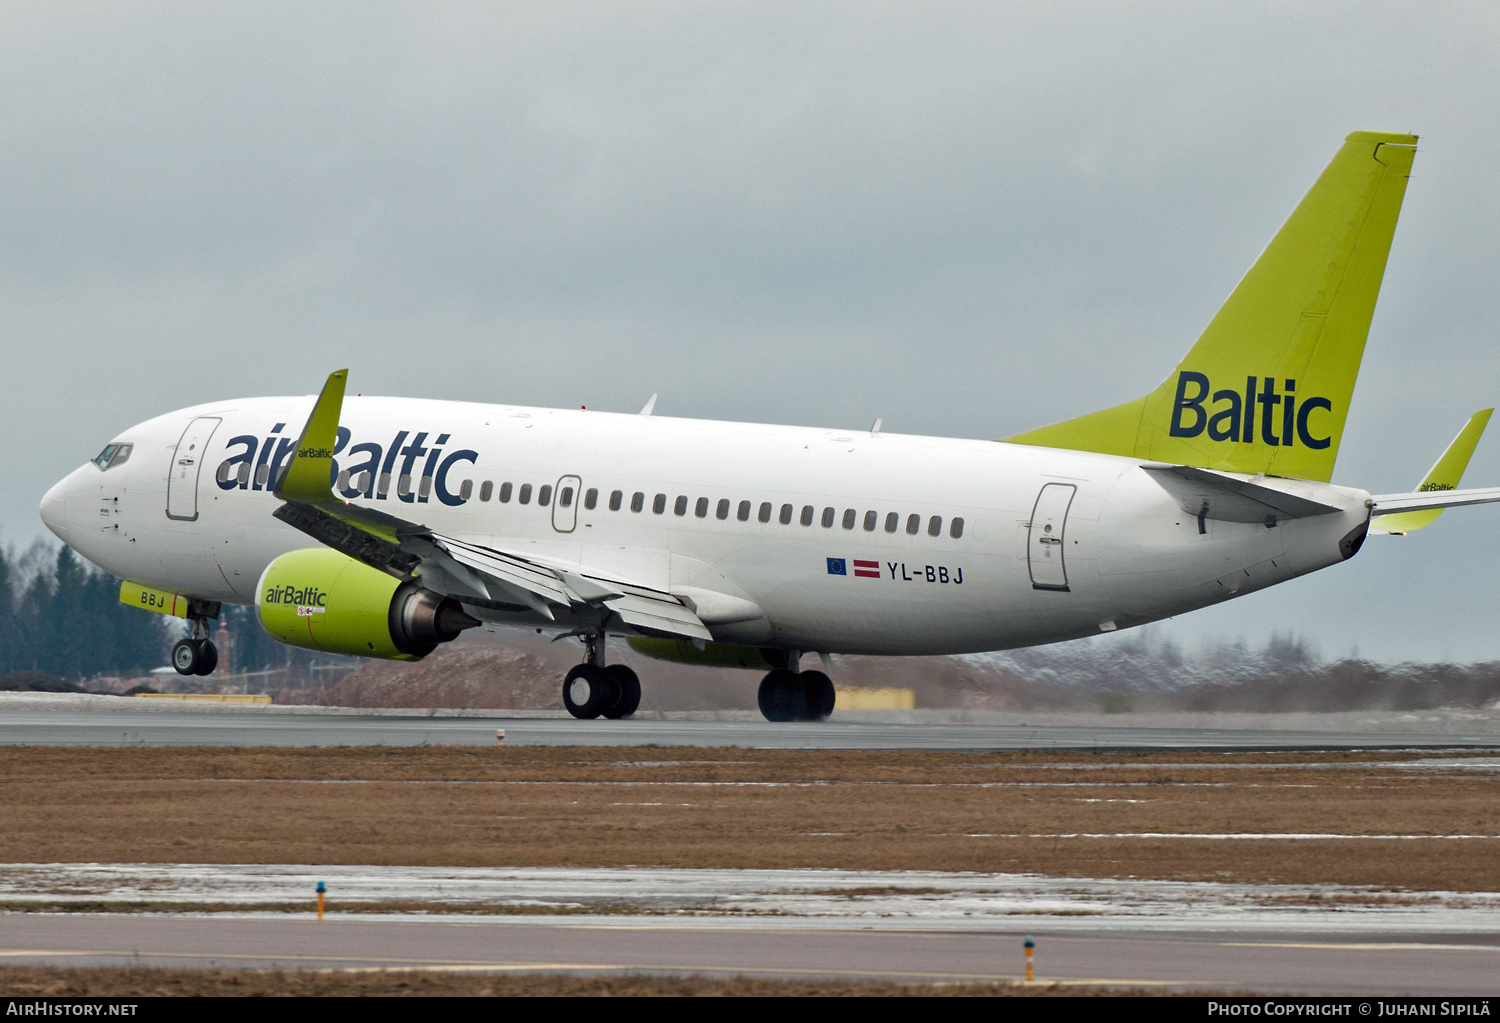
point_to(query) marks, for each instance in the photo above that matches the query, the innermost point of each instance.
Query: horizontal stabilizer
(1387, 504)
(1213, 495)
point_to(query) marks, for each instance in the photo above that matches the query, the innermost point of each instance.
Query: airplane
(384, 527)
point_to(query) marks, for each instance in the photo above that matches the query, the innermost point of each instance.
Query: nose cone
(54, 508)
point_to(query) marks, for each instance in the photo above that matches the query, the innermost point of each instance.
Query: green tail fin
(1267, 386)
(1447, 474)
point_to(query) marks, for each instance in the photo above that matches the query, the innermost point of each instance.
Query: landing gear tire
(818, 694)
(586, 691)
(195, 657)
(185, 657)
(782, 696)
(208, 657)
(627, 692)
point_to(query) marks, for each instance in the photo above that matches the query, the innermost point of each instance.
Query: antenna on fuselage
(876, 427)
(650, 404)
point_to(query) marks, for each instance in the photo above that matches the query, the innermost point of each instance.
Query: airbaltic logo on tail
(1232, 416)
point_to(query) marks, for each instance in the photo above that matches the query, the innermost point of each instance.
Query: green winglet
(308, 475)
(1445, 475)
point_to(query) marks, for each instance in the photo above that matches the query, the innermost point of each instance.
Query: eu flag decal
(836, 566)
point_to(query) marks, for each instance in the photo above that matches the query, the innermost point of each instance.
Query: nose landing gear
(197, 655)
(594, 689)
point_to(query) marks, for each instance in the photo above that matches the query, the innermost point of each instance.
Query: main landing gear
(594, 689)
(197, 654)
(787, 695)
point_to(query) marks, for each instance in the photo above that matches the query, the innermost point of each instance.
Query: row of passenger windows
(851, 517)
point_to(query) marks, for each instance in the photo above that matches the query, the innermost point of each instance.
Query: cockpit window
(113, 455)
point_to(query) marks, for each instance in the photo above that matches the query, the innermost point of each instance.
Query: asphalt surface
(248, 728)
(1329, 963)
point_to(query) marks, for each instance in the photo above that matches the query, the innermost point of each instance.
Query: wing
(471, 572)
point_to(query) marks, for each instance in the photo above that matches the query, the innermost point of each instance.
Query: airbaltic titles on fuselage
(261, 461)
(1235, 421)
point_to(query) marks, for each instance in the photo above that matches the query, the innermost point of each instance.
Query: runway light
(499, 737)
(323, 888)
(1030, 947)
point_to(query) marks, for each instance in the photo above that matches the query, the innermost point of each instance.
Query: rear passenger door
(1045, 544)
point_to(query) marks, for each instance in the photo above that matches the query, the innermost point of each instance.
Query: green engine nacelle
(322, 600)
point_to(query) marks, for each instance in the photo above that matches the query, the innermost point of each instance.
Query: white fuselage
(1123, 548)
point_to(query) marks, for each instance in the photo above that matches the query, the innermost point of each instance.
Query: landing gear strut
(789, 695)
(594, 689)
(197, 655)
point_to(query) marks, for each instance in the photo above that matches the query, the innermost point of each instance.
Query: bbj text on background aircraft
(382, 527)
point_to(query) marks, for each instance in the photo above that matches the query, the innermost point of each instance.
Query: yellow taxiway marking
(1390, 946)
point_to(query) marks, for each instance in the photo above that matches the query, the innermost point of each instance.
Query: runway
(1265, 961)
(286, 727)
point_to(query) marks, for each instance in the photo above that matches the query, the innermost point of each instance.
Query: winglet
(1446, 474)
(308, 476)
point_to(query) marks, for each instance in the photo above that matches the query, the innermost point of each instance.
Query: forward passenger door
(182, 481)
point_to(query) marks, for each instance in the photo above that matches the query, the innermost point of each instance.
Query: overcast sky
(968, 219)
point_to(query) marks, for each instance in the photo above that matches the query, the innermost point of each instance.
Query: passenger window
(764, 514)
(786, 515)
(913, 524)
(244, 474)
(591, 499)
(505, 493)
(465, 489)
(701, 508)
(956, 530)
(424, 488)
(722, 511)
(564, 497)
(615, 497)
(849, 516)
(807, 514)
(104, 456)
(403, 485)
(743, 513)
(871, 520)
(638, 501)
(679, 506)
(935, 526)
(385, 482)
(525, 497)
(486, 489)
(827, 518)
(263, 473)
(892, 521)
(544, 495)
(659, 504)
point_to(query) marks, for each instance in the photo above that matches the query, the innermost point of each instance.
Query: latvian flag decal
(862, 569)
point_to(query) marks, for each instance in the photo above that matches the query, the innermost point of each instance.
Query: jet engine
(322, 600)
